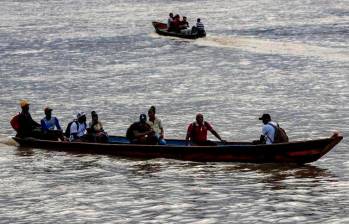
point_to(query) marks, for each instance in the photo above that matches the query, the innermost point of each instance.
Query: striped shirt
(200, 26)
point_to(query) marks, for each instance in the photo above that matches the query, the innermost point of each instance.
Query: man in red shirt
(197, 132)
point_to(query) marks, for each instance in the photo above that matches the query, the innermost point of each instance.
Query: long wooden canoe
(161, 29)
(299, 152)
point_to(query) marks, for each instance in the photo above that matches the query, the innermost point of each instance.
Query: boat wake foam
(263, 46)
(6, 140)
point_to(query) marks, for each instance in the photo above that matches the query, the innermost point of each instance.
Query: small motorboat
(161, 29)
(298, 152)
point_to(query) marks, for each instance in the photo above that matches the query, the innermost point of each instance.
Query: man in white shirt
(156, 125)
(78, 128)
(268, 130)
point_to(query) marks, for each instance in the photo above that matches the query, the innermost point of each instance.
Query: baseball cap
(47, 109)
(23, 102)
(264, 117)
(143, 118)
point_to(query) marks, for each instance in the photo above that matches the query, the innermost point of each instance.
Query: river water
(287, 58)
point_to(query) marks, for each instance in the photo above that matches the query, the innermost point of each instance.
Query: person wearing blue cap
(140, 132)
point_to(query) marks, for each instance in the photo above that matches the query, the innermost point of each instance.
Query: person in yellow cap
(27, 126)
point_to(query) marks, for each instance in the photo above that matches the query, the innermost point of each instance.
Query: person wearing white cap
(78, 128)
(27, 126)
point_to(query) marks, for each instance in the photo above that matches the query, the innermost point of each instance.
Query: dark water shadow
(24, 152)
(275, 175)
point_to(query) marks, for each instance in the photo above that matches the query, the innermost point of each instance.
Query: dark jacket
(26, 125)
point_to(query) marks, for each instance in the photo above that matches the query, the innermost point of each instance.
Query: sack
(280, 134)
(15, 122)
(67, 130)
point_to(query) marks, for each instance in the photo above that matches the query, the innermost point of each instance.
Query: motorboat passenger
(95, 129)
(197, 132)
(140, 132)
(170, 22)
(156, 125)
(50, 126)
(77, 128)
(27, 126)
(183, 24)
(199, 28)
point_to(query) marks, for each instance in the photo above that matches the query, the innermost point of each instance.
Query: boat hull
(161, 29)
(294, 152)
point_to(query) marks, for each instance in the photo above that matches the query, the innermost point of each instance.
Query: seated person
(170, 22)
(156, 126)
(140, 132)
(197, 132)
(199, 28)
(27, 126)
(95, 129)
(77, 128)
(50, 126)
(176, 23)
(183, 24)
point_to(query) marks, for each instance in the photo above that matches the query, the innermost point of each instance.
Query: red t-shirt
(198, 132)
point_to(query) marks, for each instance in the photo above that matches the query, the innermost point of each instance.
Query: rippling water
(289, 59)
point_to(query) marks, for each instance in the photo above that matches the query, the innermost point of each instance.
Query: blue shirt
(50, 124)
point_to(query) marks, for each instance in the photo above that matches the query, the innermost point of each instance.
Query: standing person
(140, 132)
(170, 22)
(156, 125)
(78, 128)
(197, 132)
(50, 126)
(27, 126)
(95, 129)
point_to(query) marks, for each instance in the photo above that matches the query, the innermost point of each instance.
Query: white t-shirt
(74, 129)
(269, 132)
(156, 125)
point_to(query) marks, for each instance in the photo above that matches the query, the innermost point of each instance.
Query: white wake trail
(263, 46)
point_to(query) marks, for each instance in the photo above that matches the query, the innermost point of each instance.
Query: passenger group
(145, 131)
(175, 24)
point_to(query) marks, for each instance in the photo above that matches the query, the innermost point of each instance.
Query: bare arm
(161, 132)
(216, 134)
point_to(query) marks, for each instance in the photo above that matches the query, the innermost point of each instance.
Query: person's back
(200, 25)
(269, 132)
